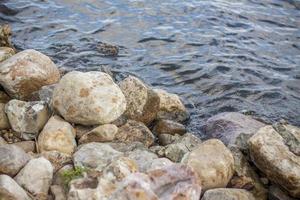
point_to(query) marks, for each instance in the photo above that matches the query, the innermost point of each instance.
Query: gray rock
(227, 194)
(27, 146)
(58, 192)
(4, 123)
(10, 190)
(169, 127)
(143, 158)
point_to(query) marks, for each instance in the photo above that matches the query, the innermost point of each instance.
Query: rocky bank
(84, 136)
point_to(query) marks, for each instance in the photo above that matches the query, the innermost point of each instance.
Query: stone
(88, 98)
(273, 157)
(276, 193)
(84, 189)
(5, 34)
(102, 133)
(213, 164)
(4, 98)
(36, 176)
(81, 130)
(58, 192)
(26, 72)
(142, 102)
(171, 107)
(59, 178)
(166, 139)
(12, 159)
(6, 52)
(95, 155)
(158, 163)
(134, 131)
(142, 157)
(57, 135)
(27, 118)
(2, 141)
(169, 127)
(4, 123)
(175, 152)
(232, 128)
(227, 194)
(27, 146)
(10, 190)
(57, 159)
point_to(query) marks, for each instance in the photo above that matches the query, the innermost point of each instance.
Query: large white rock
(36, 176)
(26, 72)
(89, 98)
(57, 135)
(10, 190)
(4, 123)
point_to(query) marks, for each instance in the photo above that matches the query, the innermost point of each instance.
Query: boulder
(26, 72)
(4, 123)
(27, 146)
(169, 127)
(273, 157)
(171, 107)
(27, 118)
(142, 102)
(12, 159)
(88, 98)
(57, 135)
(36, 176)
(232, 128)
(213, 164)
(10, 190)
(102, 133)
(6, 52)
(227, 194)
(134, 131)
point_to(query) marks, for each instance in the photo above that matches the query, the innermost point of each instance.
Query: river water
(218, 55)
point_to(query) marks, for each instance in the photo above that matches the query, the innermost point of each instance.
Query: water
(219, 55)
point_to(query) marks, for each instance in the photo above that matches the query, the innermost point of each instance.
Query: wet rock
(10, 190)
(134, 131)
(58, 192)
(143, 158)
(274, 158)
(142, 102)
(95, 155)
(57, 135)
(103, 133)
(232, 128)
(57, 159)
(36, 176)
(171, 107)
(4, 98)
(169, 127)
(227, 194)
(213, 163)
(4, 123)
(276, 193)
(6, 52)
(90, 98)
(27, 118)
(27, 146)
(12, 159)
(26, 72)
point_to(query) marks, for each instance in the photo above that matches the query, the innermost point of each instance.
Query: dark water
(219, 55)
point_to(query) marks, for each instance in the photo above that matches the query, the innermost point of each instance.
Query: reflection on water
(219, 55)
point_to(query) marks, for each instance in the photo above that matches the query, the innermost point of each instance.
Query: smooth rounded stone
(88, 98)
(27, 146)
(276, 193)
(274, 158)
(5, 53)
(102, 133)
(36, 176)
(95, 155)
(168, 127)
(171, 107)
(4, 98)
(159, 163)
(232, 128)
(4, 123)
(84, 189)
(134, 131)
(57, 159)
(142, 102)
(57, 135)
(26, 72)
(213, 163)
(58, 192)
(227, 194)
(12, 159)
(27, 118)
(10, 190)
(143, 158)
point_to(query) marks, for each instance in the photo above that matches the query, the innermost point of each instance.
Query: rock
(176, 151)
(227, 194)
(84, 189)
(10, 190)
(36, 176)
(5, 34)
(95, 155)
(57, 135)
(2, 141)
(276, 193)
(57, 159)
(166, 139)
(6, 52)
(27, 118)
(4, 98)
(12, 159)
(26, 72)
(102, 133)
(273, 157)
(169, 127)
(232, 128)
(59, 176)
(134, 131)
(142, 102)
(27, 146)
(90, 98)
(81, 130)
(213, 163)
(142, 157)
(45, 94)
(4, 123)
(58, 192)
(171, 107)
(158, 163)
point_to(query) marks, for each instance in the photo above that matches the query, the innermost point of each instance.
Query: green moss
(71, 174)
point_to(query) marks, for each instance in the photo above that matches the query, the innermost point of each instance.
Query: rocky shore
(84, 136)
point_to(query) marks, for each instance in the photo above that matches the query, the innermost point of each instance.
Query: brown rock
(103, 133)
(27, 146)
(4, 123)
(169, 127)
(227, 194)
